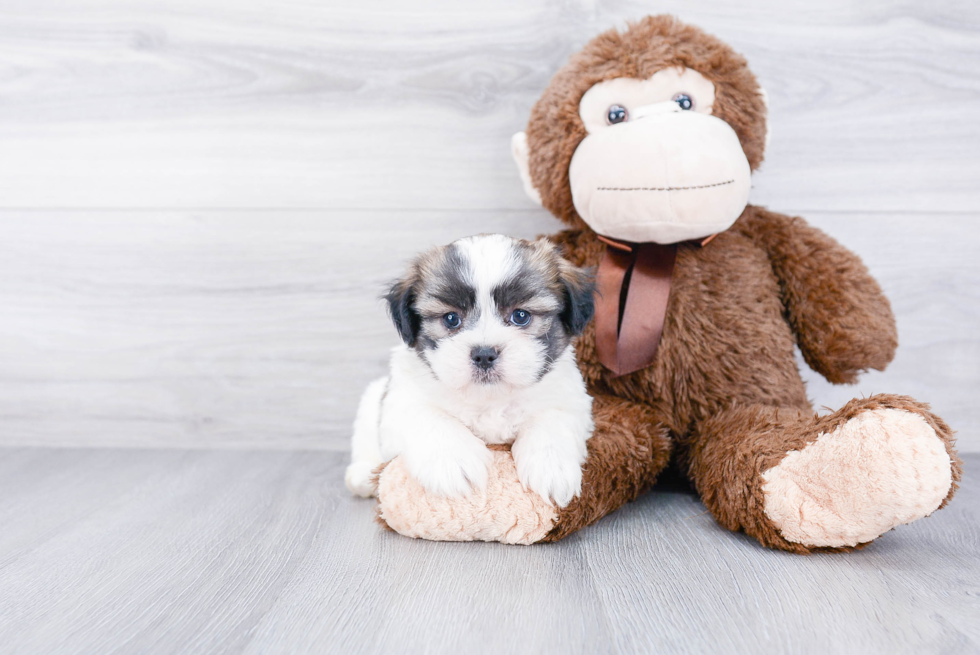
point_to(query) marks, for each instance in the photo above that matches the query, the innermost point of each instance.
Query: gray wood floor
(168, 551)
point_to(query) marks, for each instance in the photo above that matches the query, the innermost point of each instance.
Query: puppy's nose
(484, 356)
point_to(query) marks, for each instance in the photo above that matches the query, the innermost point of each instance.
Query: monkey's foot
(880, 469)
(502, 511)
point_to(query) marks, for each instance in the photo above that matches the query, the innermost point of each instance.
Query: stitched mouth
(663, 188)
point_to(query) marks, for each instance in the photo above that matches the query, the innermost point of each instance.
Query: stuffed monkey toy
(643, 145)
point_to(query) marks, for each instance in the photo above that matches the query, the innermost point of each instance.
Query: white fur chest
(493, 414)
(491, 417)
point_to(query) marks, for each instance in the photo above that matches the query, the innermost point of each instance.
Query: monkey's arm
(843, 323)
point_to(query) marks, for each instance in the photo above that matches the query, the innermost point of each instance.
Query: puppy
(488, 323)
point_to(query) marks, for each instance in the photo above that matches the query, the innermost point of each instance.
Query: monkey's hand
(842, 320)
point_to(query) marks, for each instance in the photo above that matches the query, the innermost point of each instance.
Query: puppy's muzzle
(484, 357)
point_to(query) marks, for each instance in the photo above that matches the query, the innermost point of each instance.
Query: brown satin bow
(632, 289)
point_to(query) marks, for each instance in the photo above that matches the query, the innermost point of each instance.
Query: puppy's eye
(452, 320)
(617, 114)
(520, 317)
(685, 101)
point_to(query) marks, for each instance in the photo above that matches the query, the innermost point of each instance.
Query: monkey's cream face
(656, 165)
(491, 310)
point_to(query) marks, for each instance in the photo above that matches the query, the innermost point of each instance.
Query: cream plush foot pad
(503, 511)
(878, 470)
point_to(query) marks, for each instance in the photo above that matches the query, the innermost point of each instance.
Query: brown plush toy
(643, 144)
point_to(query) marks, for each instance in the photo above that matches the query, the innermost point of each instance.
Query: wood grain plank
(201, 328)
(234, 329)
(165, 554)
(265, 552)
(411, 105)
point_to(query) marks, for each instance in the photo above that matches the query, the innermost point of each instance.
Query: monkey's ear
(519, 149)
(401, 308)
(579, 284)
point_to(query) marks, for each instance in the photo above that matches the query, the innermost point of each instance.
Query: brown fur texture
(626, 453)
(737, 307)
(724, 399)
(649, 45)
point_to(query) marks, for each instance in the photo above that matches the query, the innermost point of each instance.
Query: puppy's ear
(401, 308)
(579, 304)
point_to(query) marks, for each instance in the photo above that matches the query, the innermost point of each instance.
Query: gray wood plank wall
(200, 199)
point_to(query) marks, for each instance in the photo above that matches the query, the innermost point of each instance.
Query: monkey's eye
(617, 114)
(685, 101)
(520, 317)
(452, 320)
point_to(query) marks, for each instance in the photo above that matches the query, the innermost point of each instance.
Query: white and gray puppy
(488, 323)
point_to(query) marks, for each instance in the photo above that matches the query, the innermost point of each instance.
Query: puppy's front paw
(549, 471)
(452, 469)
(360, 479)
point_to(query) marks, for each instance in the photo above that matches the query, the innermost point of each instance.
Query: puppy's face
(491, 310)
